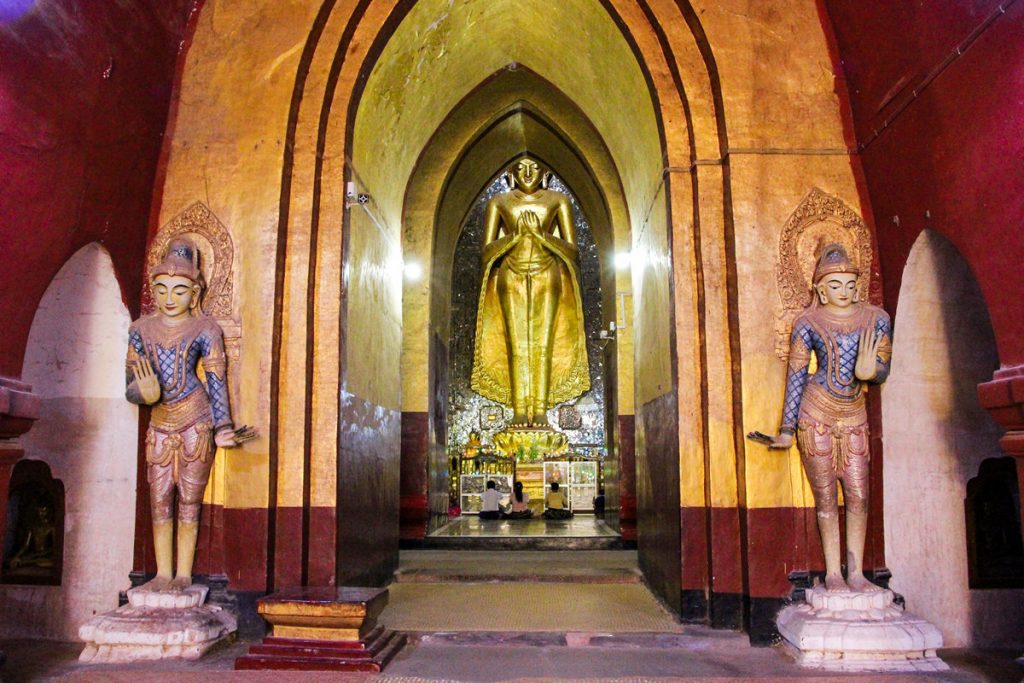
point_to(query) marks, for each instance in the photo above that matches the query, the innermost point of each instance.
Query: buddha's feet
(157, 584)
(859, 583)
(180, 583)
(519, 420)
(834, 583)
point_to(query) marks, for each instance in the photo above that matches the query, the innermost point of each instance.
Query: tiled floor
(580, 526)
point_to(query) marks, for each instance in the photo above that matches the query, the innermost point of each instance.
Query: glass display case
(578, 478)
(472, 486)
(583, 477)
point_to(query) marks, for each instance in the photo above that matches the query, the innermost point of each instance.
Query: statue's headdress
(833, 259)
(181, 258)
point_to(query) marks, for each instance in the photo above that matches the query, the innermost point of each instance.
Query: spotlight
(623, 260)
(413, 271)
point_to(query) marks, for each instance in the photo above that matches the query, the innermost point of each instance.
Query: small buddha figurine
(530, 350)
(473, 444)
(39, 546)
(189, 419)
(852, 342)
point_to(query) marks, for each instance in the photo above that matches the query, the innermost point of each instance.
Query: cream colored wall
(374, 308)
(936, 436)
(652, 306)
(88, 434)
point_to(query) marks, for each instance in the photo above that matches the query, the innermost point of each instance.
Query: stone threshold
(638, 640)
(592, 576)
(517, 543)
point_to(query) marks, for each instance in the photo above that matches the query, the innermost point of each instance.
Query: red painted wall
(956, 150)
(84, 94)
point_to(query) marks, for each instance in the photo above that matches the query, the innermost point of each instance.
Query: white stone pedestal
(848, 631)
(156, 626)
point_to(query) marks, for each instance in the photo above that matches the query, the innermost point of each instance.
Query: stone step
(518, 543)
(578, 575)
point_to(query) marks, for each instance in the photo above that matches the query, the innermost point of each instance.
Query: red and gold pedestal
(324, 629)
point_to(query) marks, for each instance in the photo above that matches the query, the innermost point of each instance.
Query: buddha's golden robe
(520, 259)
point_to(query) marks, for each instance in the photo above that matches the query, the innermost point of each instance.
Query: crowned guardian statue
(190, 419)
(825, 411)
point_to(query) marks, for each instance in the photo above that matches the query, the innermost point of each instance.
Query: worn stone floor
(698, 654)
(517, 616)
(526, 607)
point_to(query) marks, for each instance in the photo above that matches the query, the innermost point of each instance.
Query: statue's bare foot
(834, 583)
(180, 583)
(520, 420)
(859, 583)
(157, 584)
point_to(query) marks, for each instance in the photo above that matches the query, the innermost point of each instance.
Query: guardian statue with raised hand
(190, 419)
(852, 343)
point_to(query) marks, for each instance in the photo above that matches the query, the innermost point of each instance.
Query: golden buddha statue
(531, 350)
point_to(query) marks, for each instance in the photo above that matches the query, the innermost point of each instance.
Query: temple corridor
(487, 339)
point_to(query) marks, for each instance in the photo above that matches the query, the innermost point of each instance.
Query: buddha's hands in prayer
(867, 355)
(230, 438)
(146, 381)
(528, 223)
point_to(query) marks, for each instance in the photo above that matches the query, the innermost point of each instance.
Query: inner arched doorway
(611, 155)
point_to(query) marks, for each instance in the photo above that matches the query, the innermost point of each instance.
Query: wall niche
(33, 542)
(995, 551)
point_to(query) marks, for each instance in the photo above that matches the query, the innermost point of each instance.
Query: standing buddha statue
(189, 419)
(852, 342)
(530, 350)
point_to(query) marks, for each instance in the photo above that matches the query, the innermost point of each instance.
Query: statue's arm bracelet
(786, 429)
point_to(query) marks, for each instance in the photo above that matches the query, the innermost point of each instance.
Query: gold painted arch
(335, 72)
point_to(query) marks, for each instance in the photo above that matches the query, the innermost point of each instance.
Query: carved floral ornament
(217, 253)
(819, 219)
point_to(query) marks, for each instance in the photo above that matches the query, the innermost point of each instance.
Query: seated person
(599, 503)
(519, 508)
(491, 505)
(555, 504)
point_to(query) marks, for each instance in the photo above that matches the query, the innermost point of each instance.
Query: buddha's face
(527, 174)
(837, 290)
(175, 295)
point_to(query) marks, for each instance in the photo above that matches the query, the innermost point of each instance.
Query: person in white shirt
(491, 508)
